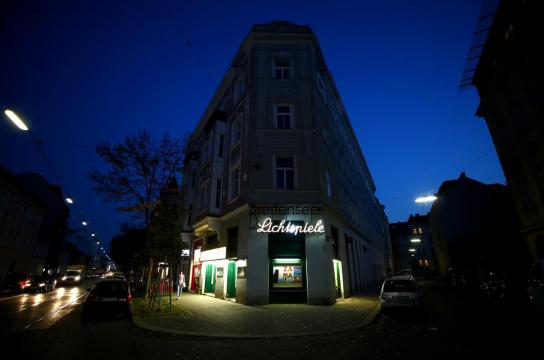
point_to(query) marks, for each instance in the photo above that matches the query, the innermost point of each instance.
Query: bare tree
(137, 170)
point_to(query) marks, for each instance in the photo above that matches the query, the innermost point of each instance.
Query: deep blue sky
(82, 72)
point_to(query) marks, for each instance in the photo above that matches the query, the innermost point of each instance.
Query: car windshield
(72, 273)
(399, 286)
(111, 289)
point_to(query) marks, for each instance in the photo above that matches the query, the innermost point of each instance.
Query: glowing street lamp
(426, 199)
(93, 235)
(84, 223)
(412, 250)
(16, 119)
(415, 240)
(69, 200)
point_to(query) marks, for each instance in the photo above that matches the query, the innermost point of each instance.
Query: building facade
(412, 245)
(474, 230)
(279, 202)
(21, 218)
(509, 78)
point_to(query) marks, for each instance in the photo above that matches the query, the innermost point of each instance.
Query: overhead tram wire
(170, 13)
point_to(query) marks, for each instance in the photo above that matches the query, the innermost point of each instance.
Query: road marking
(52, 313)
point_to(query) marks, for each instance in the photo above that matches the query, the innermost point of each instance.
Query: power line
(170, 13)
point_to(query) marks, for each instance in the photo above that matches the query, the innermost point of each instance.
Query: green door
(231, 280)
(209, 283)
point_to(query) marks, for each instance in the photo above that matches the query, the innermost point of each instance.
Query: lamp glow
(84, 223)
(426, 199)
(69, 200)
(412, 250)
(16, 119)
(415, 240)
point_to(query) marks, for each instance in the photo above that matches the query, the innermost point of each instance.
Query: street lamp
(415, 240)
(84, 223)
(69, 200)
(412, 250)
(93, 234)
(15, 119)
(426, 199)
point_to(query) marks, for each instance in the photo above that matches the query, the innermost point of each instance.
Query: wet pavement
(20, 312)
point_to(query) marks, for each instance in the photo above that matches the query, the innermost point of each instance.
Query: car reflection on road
(38, 310)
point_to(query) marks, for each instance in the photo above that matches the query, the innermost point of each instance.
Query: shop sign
(287, 227)
(214, 254)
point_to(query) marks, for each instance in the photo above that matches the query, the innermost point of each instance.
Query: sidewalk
(208, 316)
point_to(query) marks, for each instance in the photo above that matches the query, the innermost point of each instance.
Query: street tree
(137, 170)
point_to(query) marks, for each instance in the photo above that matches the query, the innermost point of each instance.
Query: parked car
(41, 284)
(109, 296)
(17, 281)
(536, 285)
(72, 277)
(400, 291)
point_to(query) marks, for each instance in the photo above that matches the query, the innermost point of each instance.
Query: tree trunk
(149, 275)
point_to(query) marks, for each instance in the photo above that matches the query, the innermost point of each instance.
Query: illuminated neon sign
(288, 227)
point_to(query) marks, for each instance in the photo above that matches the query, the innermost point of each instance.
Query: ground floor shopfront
(278, 254)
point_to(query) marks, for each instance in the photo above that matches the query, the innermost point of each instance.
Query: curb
(369, 318)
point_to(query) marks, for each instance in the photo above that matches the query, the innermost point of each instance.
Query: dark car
(17, 282)
(107, 297)
(41, 284)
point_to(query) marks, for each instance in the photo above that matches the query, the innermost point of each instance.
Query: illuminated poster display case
(287, 274)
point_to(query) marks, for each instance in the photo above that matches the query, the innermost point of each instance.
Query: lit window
(282, 68)
(284, 117)
(285, 173)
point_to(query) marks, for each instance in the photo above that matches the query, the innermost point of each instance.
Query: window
(190, 215)
(218, 193)
(234, 183)
(284, 117)
(239, 87)
(236, 130)
(221, 145)
(282, 68)
(232, 242)
(329, 184)
(285, 173)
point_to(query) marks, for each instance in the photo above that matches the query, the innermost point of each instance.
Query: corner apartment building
(509, 77)
(280, 205)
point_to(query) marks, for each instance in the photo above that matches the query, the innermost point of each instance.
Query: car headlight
(41, 285)
(64, 278)
(77, 278)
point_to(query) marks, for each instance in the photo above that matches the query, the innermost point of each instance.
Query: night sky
(82, 72)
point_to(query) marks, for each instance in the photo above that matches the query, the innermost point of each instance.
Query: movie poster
(287, 276)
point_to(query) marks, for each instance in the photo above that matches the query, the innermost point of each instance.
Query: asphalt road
(451, 326)
(38, 310)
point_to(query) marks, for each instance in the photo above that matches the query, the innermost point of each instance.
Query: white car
(72, 277)
(400, 291)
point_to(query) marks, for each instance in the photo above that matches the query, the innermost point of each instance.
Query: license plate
(109, 299)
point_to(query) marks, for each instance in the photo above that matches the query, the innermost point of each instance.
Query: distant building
(474, 229)
(54, 228)
(280, 204)
(412, 245)
(509, 78)
(21, 217)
